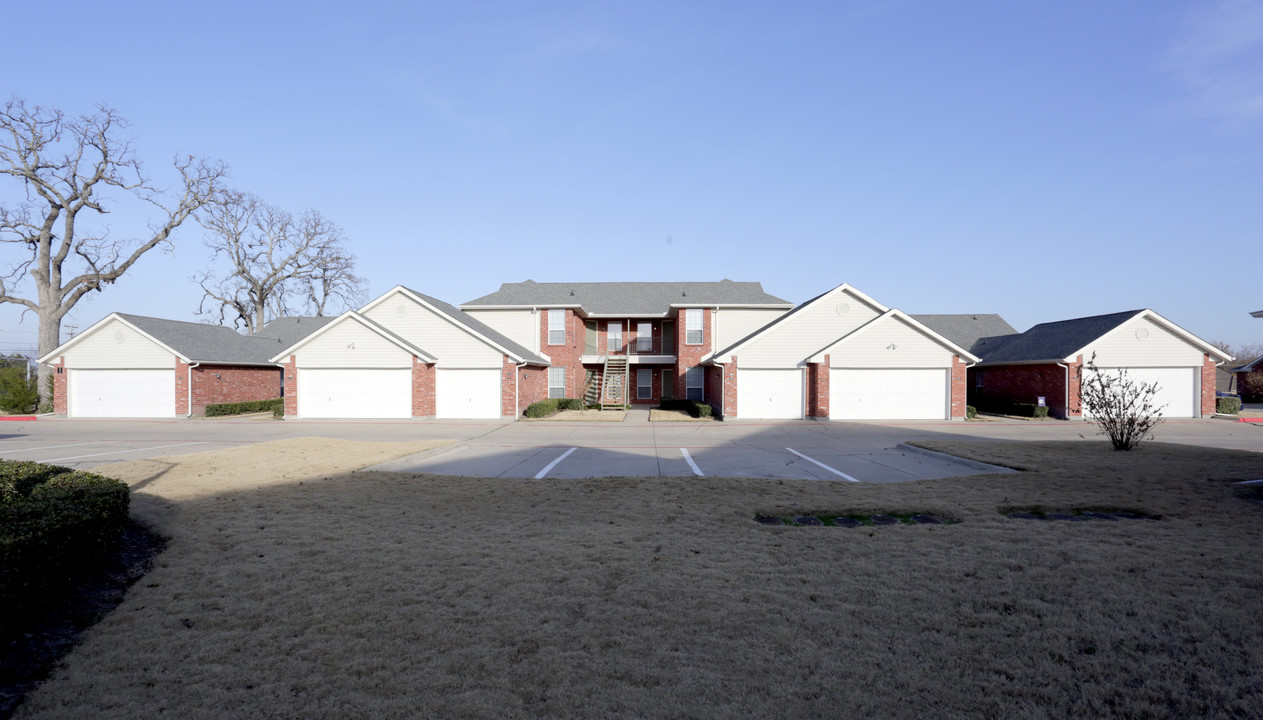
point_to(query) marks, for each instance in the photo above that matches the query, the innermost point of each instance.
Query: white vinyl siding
(770, 394)
(116, 345)
(1143, 343)
(467, 393)
(693, 321)
(695, 384)
(889, 343)
(888, 394)
(452, 344)
(121, 393)
(520, 326)
(644, 384)
(350, 344)
(354, 393)
(730, 325)
(556, 327)
(804, 333)
(556, 382)
(1178, 392)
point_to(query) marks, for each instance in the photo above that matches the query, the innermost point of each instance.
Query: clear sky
(1039, 160)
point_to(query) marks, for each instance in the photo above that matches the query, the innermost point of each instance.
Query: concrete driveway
(864, 452)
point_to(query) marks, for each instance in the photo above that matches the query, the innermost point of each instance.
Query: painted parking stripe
(689, 459)
(120, 452)
(826, 467)
(553, 464)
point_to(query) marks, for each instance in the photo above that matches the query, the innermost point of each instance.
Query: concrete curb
(975, 464)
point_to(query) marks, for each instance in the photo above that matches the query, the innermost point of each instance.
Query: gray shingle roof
(1052, 342)
(218, 344)
(481, 328)
(967, 331)
(627, 298)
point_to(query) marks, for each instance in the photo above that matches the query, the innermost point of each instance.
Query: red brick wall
(1020, 384)
(728, 405)
(568, 355)
(1076, 401)
(61, 406)
(1250, 385)
(818, 388)
(533, 386)
(422, 388)
(1208, 385)
(688, 356)
(958, 389)
(290, 373)
(225, 384)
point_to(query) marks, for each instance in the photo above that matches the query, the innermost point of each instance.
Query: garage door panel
(121, 393)
(354, 393)
(1177, 393)
(467, 393)
(770, 394)
(888, 394)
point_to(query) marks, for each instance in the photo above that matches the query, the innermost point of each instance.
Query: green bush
(692, 407)
(1228, 405)
(542, 408)
(569, 404)
(703, 410)
(276, 406)
(1028, 410)
(971, 412)
(18, 394)
(53, 522)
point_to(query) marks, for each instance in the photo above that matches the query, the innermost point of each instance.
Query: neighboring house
(404, 355)
(1044, 362)
(1247, 380)
(627, 342)
(842, 356)
(136, 366)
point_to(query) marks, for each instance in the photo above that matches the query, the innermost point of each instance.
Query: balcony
(640, 349)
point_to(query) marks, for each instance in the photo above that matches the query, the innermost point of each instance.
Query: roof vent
(684, 293)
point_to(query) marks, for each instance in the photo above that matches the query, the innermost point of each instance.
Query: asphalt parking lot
(842, 452)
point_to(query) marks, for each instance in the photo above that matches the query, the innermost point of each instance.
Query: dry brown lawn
(584, 415)
(660, 415)
(291, 591)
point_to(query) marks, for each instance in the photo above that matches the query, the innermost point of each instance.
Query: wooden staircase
(614, 383)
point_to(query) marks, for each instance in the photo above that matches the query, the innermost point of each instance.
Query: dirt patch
(583, 416)
(660, 415)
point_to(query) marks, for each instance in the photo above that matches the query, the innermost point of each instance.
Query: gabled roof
(1058, 341)
(912, 321)
(199, 342)
(1257, 314)
(353, 316)
(467, 322)
(790, 316)
(624, 299)
(967, 330)
(1250, 366)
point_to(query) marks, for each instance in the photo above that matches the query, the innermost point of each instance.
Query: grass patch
(292, 589)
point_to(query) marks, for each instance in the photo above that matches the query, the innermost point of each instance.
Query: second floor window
(693, 326)
(556, 327)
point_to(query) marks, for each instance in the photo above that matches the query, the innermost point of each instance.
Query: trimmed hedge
(53, 522)
(971, 412)
(276, 406)
(692, 407)
(551, 406)
(1228, 405)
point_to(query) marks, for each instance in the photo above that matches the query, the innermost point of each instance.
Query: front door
(668, 384)
(589, 337)
(668, 338)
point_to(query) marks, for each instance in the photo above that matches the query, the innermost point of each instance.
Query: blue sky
(1038, 160)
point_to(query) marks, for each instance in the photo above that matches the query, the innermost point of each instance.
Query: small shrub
(570, 404)
(703, 410)
(692, 407)
(276, 406)
(1030, 410)
(542, 408)
(1228, 405)
(971, 412)
(18, 478)
(1122, 408)
(18, 394)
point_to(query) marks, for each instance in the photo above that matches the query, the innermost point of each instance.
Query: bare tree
(1121, 407)
(65, 166)
(276, 261)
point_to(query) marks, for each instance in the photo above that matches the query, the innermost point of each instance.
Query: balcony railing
(641, 345)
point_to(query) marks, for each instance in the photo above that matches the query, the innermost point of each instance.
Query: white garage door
(888, 394)
(121, 393)
(467, 393)
(1177, 388)
(355, 393)
(770, 394)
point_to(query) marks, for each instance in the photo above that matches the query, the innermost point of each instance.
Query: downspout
(190, 389)
(1066, 387)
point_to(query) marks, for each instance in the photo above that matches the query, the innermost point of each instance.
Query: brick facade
(213, 384)
(689, 356)
(423, 386)
(532, 386)
(958, 389)
(290, 374)
(61, 404)
(1209, 370)
(818, 388)
(1002, 385)
(728, 403)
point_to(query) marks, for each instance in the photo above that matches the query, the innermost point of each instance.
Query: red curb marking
(31, 418)
(1250, 419)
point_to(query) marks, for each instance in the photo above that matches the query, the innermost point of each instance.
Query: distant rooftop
(627, 298)
(968, 330)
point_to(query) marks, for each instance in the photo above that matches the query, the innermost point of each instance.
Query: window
(614, 336)
(693, 384)
(644, 384)
(556, 382)
(978, 378)
(644, 337)
(693, 326)
(556, 327)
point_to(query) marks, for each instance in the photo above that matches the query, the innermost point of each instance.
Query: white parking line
(120, 452)
(826, 467)
(689, 459)
(553, 464)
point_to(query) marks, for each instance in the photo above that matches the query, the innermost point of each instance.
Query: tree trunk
(49, 339)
